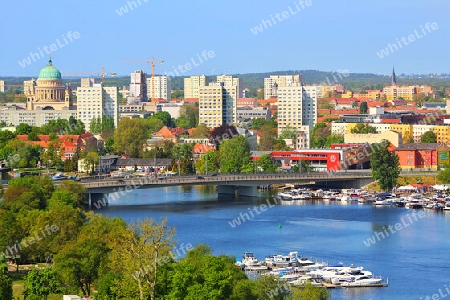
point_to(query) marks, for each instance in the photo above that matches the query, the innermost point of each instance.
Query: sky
(228, 37)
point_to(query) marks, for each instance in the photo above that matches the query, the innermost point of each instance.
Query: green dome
(49, 72)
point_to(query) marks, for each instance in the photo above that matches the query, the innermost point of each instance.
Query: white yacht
(362, 281)
(279, 260)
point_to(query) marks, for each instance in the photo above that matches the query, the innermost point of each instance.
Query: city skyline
(236, 38)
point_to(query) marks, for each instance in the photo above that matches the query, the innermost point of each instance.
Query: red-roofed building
(170, 134)
(191, 100)
(271, 101)
(199, 149)
(377, 103)
(69, 143)
(391, 121)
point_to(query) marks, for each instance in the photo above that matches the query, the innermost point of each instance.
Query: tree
(334, 139)
(90, 161)
(41, 283)
(363, 129)
(23, 129)
(234, 154)
(152, 125)
(428, 137)
(308, 291)
(78, 192)
(6, 291)
(319, 134)
(183, 154)
(266, 163)
(189, 115)
(165, 117)
(288, 132)
(109, 144)
(129, 137)
(363, 108)
(145, 249)
(201, 132)
(213, 162)
(201, 275)
(79, 265)
(268, 138)
(385, 165)
(260, 122)
(444, 175)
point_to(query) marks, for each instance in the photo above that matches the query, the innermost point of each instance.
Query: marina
(300, 270)
(436, 200)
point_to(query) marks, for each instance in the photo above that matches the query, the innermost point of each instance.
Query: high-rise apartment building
(95, 100)
(2, 86)
(192, 86)
(217, 104)
(297, 107)
(274, 82)
(138, 87)
(231, 81)
(162, 87)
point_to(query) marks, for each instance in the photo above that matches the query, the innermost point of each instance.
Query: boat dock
(338, 286)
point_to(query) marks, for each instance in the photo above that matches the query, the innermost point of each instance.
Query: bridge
(244, 185)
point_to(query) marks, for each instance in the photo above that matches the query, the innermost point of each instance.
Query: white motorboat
(363, 281)
(250, 262)
(279, 260)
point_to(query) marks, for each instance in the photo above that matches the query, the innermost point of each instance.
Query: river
(413, 254)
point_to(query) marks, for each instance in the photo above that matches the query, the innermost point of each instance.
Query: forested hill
(253, 81)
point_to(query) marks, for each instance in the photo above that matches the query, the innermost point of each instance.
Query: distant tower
(394, 79)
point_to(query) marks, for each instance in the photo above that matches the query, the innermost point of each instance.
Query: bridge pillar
(226, 191)
(247, 191)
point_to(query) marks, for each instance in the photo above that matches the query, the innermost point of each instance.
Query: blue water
(415, 259)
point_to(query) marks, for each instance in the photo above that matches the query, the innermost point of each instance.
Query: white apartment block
(217, 105)
(162, 87)
(274, 82)
(2, 86)
(138, 87)
(95, 100)
(230, 81)
(192, 86)
(297, 106)
(15, 116)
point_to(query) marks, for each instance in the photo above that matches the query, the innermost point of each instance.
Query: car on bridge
(200, 177)
(162, 178)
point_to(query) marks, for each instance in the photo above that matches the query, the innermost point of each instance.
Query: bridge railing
(139, 181)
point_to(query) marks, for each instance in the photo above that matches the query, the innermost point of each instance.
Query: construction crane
(153, 61)
(102, 73)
